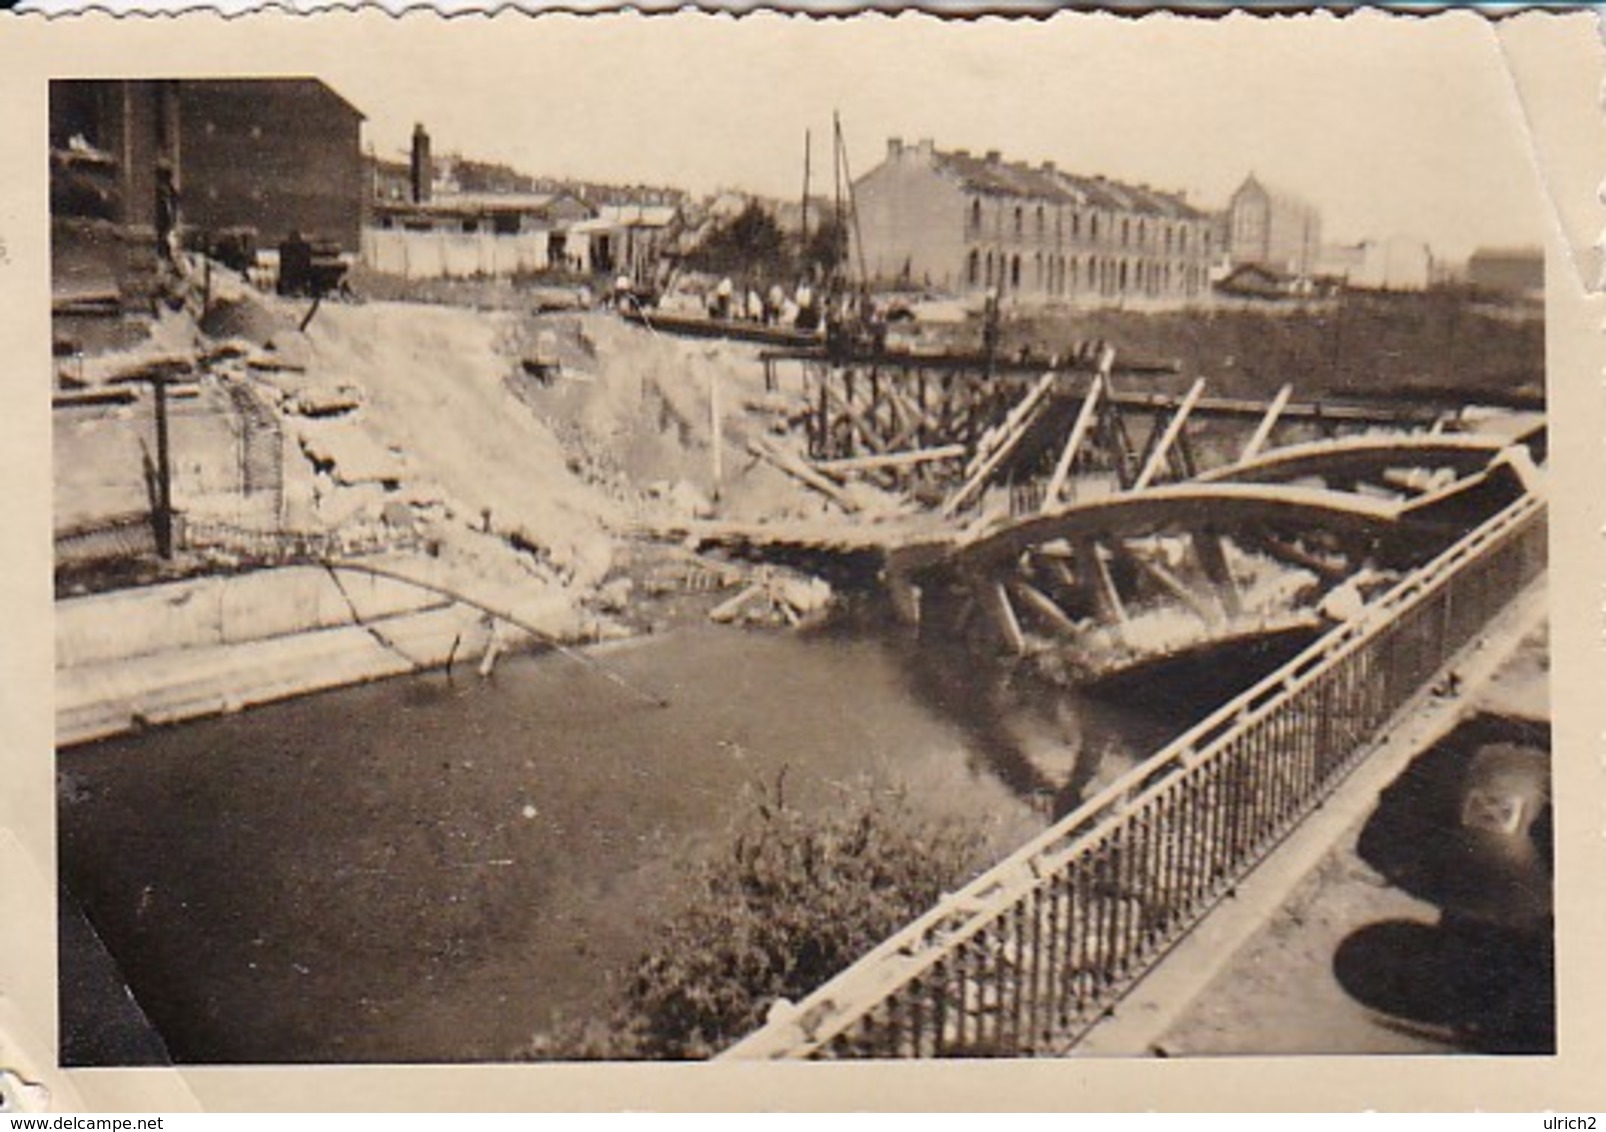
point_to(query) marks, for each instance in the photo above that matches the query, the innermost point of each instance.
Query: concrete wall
(432, 255)
(208, 612)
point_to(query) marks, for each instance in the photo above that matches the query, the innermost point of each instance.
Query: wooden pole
(1084, 424)
(1257, 442)
(848, 464)
(803, 228)
(1173, 429)
(716, 429)
(164, 473)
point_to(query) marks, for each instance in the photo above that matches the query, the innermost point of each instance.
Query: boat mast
(803, 236)
(845, 177)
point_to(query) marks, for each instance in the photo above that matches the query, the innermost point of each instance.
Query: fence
(228, 462)
(431, 255)
(1026, 958)
(118, 536)
(276, 546)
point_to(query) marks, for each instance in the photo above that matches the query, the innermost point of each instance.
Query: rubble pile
(526, 448)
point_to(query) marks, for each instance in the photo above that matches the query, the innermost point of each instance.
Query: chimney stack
(926, 147)
(1050, 167)
(894, 148)
(994, 156)
(423, 168)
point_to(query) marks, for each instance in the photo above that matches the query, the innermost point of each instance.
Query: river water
(434, 868)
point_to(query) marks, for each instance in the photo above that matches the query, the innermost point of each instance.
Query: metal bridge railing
(1030, 955)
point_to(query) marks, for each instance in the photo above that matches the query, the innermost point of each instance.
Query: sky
(1389, 126)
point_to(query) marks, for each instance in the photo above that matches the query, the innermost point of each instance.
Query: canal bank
(437, 868)
(212, 645)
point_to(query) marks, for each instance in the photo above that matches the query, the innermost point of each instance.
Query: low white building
(494, 235)
(1398, 263)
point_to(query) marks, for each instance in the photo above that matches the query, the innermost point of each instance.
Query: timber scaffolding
(901, 418)
(942, 433)
(1233, 520)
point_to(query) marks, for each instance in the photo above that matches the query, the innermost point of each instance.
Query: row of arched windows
(1070, 275)
(1143, 233)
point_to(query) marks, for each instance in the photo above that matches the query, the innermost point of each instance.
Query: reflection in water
(1048, 744)
(1054, 746)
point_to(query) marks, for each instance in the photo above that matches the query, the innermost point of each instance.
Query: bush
(797, 898)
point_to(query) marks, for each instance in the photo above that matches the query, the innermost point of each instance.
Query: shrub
(796, 898)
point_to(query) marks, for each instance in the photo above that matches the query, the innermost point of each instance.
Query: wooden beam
(1041, 603)
(852, 416)
(1106, 598)
(847, 464)
(1173, 429)
(1292, 555)
(1073, 443)
(1257, 442)
(1116, 438)
(1004, 617)
(801, 472)
(1213, 559)
(1023, 415)
(1007, 430)
(1175, 587)
(915, 422)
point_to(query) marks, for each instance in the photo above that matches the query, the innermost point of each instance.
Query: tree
(750, 243)
(826, 248)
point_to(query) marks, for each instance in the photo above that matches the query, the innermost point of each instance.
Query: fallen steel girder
(1223, 506)
(1361, 458)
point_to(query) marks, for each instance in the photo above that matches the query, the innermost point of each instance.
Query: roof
(265, 88)
(1278, 197)
(640, 215)
(1525, 255)
(996, 177)
(477, 204)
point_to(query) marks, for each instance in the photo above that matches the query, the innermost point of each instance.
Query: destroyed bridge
(1017, 511)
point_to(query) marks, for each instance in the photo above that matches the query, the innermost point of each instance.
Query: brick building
(271, 154)
(1271, 228)
(276, 155)
(966, 224)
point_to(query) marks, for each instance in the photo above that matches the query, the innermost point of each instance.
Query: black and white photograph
(767, 540)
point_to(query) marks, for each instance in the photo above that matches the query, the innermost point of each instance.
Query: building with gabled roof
(967, 224)
(1272, 228)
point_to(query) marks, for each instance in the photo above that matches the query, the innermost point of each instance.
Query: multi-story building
(1270, 228)
(136, 161)
(273, 155)
(967, 224)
